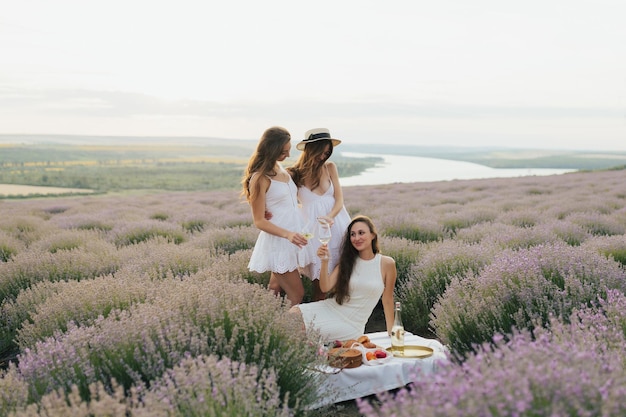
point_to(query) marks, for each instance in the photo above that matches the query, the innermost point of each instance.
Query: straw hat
(314, 135)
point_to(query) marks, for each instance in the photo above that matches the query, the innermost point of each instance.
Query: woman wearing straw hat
(321, 197)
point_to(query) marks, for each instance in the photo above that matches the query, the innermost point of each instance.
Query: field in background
(130, 164)
(135, 166)
(507, 157)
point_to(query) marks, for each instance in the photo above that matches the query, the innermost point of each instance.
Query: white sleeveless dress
(274, 253)
(313, 206)
(348, 320)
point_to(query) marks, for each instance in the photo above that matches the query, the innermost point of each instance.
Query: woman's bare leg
(291, 283)
(274, 286)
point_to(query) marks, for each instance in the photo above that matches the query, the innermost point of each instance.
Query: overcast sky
(534, 73)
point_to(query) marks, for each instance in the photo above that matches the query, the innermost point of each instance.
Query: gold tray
(412, 351)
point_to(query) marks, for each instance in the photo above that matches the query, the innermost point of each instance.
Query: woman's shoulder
(387, 260)
(257, 177)
(331, 165)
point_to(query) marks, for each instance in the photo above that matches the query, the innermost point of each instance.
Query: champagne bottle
(397, 332)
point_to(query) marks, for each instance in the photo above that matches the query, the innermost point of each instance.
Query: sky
(535, 73)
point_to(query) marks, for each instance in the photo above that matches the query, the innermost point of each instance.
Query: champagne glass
(307, 231)
(324, 233)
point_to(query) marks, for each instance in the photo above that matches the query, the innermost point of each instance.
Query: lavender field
(143, 305)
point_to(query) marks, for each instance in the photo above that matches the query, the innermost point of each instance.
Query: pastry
(349, 343)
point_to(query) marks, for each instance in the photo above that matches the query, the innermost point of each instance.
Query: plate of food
(371, 352)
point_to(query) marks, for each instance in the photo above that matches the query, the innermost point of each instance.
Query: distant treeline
(502, 158)
(135, 167)
(196, 164)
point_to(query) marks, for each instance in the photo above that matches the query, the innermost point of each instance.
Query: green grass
(107, 165)
(119, 168)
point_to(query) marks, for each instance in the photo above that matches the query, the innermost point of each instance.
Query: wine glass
(324, 233)
(307, 231)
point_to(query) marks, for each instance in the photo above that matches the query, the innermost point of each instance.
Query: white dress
(348, 320)
(274, 253)
(315, 205)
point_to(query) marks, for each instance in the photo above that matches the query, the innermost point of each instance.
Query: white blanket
(349, 384)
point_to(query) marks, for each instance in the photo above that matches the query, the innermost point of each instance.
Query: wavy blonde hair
(264, 158)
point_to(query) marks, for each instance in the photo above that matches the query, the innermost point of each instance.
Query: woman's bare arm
(334, 177)
(389, 279)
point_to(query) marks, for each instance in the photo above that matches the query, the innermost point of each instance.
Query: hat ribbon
(319, 136)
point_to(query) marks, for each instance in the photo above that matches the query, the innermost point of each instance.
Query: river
(402, 169)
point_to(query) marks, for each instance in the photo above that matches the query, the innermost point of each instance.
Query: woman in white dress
(266, 184)
(321, 197)
(362, 277)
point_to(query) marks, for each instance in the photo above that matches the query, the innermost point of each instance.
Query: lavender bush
(404, 252)
(573, 369)
(204, 386)
(452, 222)
(234, 267)
(135, 346)
(13, 390)
(571, 233)
(133, 233)
(80, 303)
(522, 288)
(9, 246)
(513, 237)
(24, 228)
(65, 240)
(525, 217)
(598, 224)
(200, 386)
(611, 246)
(412, 226)
(160, 258)
(233, 239)
(431, 274)
(32, 266)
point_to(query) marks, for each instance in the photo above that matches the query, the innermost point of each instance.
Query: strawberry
(380, 354)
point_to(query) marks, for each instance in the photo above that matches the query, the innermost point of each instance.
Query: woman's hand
(297, 239)
(327, 219)
(323, 253)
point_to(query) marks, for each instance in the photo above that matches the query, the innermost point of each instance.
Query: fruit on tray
(377, 354)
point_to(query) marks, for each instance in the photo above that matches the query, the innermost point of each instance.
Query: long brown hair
(264, 158)
(348, 257)
(309, 164)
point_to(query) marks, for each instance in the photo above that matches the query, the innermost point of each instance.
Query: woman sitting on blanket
(356, 284)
